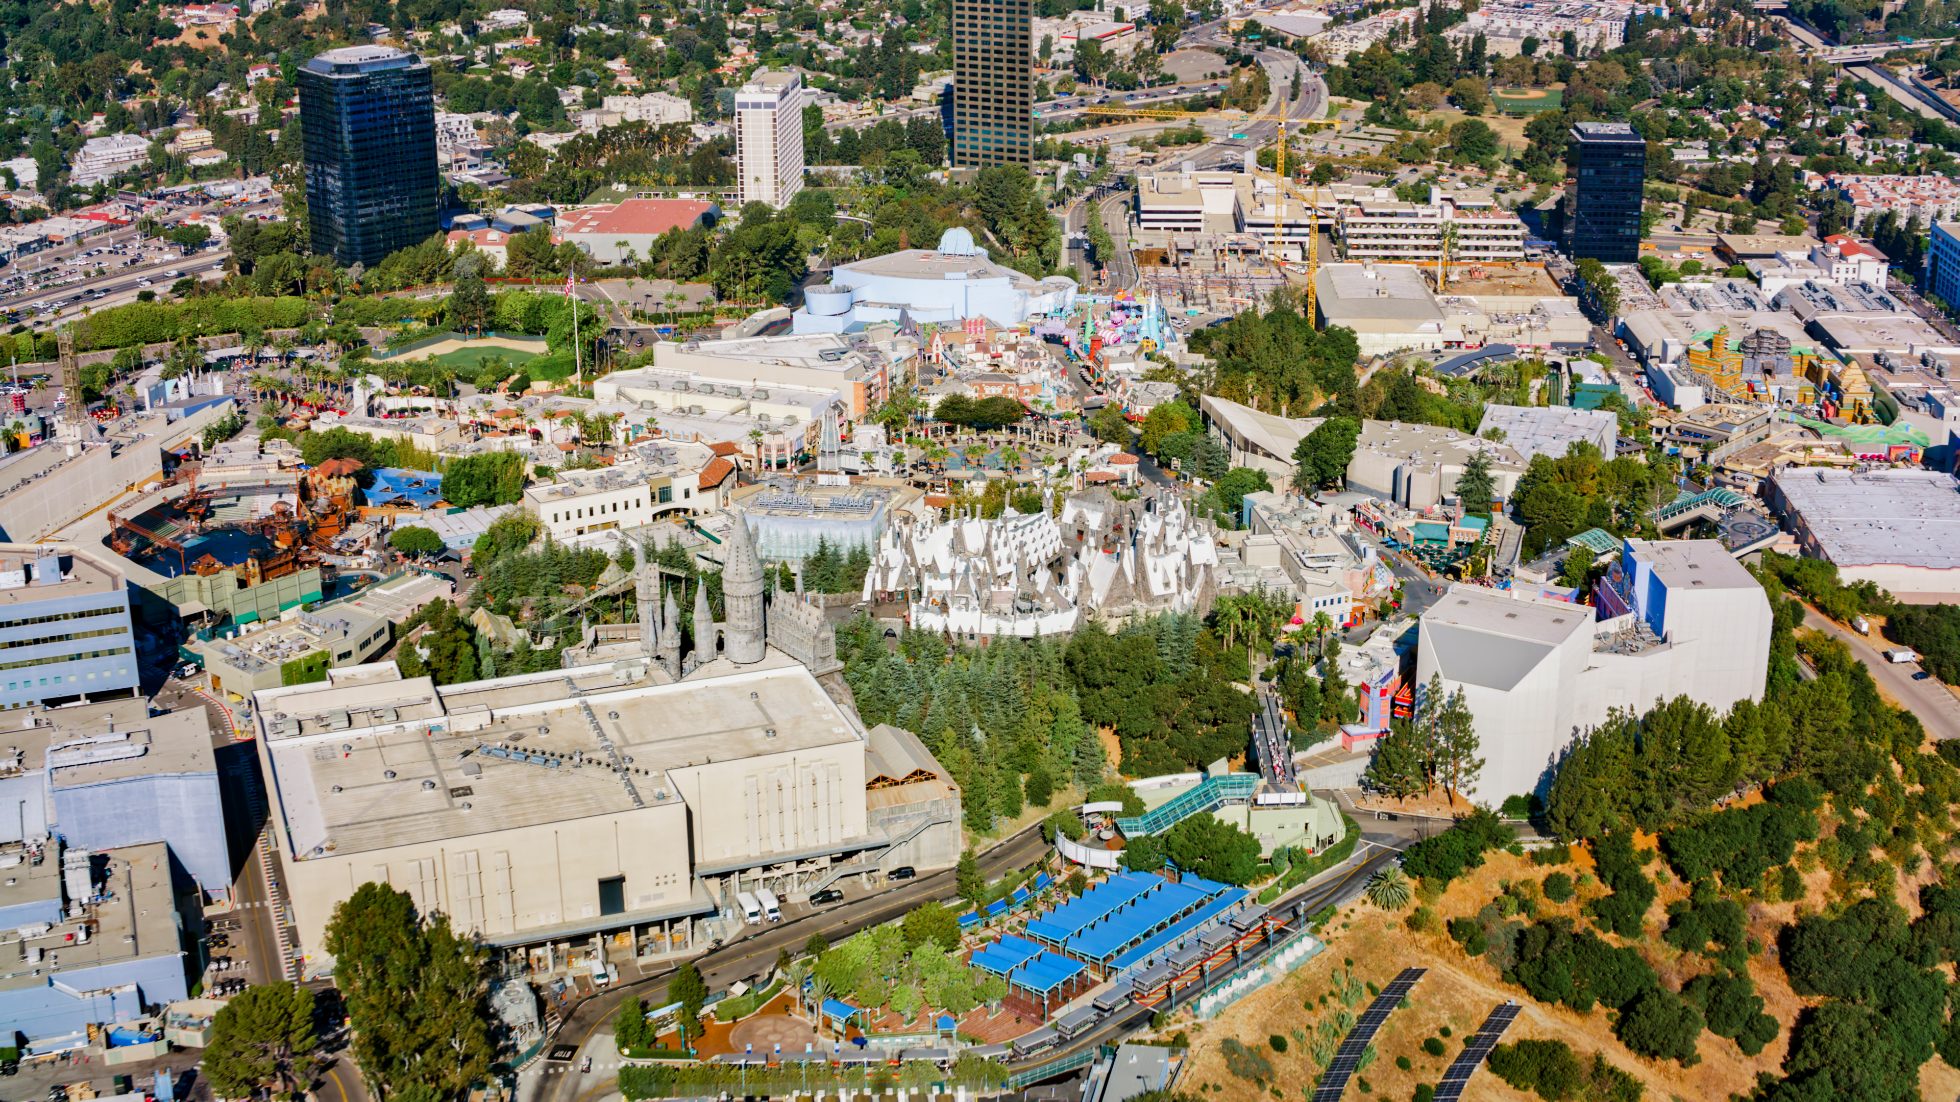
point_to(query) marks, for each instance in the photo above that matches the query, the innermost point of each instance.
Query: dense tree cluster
(417, 994)
(1554, 1073)
(1165, 686)
(1214, 849)
(1624, 910)
(1557, 499)
(629, 154)
(908, 967)
(485, 478)
(1933, 631)
(1817, 581)
(158, 322)
(830, 570)
(262, 1038)
(1321, 458)
(1742, 843)
(1004, 719)
(1276, 361)
(1443, 857)
(1438, 747)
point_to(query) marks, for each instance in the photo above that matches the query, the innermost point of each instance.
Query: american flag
(571, 283)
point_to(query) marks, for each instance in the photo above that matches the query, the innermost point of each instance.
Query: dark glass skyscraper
(368, 114)
(993, 82)
(1602, 213)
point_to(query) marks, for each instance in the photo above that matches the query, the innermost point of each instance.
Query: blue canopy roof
(1046, 972)
(421, 489)
(1094, 905)
(1176, 931)
(1138, 921)
(1005, 955)
(837, 1010)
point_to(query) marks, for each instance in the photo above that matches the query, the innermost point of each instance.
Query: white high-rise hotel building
(769, 137)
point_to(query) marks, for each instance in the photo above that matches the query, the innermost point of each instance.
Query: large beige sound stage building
(629, 798)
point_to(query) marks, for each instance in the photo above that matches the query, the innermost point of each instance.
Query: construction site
(1210, 274)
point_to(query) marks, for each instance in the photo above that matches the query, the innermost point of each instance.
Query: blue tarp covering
(1046, 972)
(997, 907)
(1041, 881)
(968, 921)
(837, 1010)
(1183, 927)
(1094, 905)
(421, 489)
(1005, 955)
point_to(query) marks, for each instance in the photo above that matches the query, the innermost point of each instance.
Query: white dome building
(948, 284)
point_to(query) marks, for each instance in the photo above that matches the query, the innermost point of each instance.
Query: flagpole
(578, 364)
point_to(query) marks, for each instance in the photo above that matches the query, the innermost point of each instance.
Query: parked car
(903, 872)
(826, 897)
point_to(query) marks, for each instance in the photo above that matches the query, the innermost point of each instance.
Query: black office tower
(368, 116)
(993, 82)
(1602, 212)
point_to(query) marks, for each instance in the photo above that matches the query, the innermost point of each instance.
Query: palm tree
(755, 441)
(1388, 888)
(1322, 624)
(813, 1004)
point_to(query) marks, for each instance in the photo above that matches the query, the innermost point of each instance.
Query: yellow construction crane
(1281, 185)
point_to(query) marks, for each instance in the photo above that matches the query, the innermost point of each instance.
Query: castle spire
(705, 643)
(645, 601)
(743, 636)
(670, 636)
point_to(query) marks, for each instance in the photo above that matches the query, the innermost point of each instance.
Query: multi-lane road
(112, 267)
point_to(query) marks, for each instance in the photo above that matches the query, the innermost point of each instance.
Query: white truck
(751, 909)
(771, 907)
(1901, 655)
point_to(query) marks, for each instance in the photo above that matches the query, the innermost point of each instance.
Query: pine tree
(1007, 788)
(1397, 768)
(1475, 487)
(1040, 787)
(1457, 745)
(969, 880)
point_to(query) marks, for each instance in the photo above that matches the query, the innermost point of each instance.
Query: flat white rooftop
(371, 760)
(1904, 518)
(1694, 564)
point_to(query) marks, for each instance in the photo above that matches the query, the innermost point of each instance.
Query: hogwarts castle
(755, 621)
